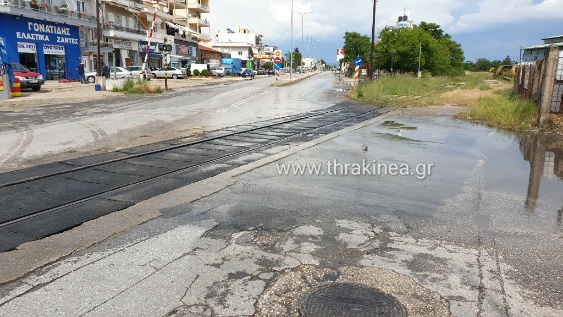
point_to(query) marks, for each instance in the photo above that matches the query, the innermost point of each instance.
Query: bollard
(4, 91)
(15, 91)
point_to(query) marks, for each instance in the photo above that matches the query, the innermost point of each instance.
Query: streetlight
(302, 14)
(291, 44)
(308, 27)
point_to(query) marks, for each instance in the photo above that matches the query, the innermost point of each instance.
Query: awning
(179, 56)
(182, 29)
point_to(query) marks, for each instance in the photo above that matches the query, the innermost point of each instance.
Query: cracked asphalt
(255, 242)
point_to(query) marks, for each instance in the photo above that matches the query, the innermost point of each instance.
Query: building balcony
(136, 5)
(199, 22)
(204, 38)
(178, 17)
(44, 11)
(178, 4)
(92, 46)
(199, 7)
(112, 30)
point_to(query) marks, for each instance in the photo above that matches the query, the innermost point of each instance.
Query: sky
(491, 29)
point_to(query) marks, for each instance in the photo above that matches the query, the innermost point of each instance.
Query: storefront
(125, 53)
(154, 60)
(49, 48)
(185, 54)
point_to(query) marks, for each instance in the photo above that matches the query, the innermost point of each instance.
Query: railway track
(44, 200)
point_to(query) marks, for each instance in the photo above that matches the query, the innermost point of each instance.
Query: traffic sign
(358, 61)
(277, 60)
(277, 66)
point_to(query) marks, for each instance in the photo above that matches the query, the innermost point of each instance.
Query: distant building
(404, 21)
(244, 45)
(532, 53)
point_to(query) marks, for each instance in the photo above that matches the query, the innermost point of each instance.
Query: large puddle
(526, 165)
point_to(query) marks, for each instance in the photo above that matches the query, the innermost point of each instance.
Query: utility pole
(370, 68)
(99, 35)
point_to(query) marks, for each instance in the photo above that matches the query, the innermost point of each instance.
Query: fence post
(549, 83)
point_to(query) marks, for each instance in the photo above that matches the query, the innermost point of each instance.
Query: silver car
(217, 71)
(137, 71)
(171, 72)
(117, 72)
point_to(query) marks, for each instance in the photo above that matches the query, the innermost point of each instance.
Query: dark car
(260, 71)
(247, 73)
(28, 79)
(270, 72)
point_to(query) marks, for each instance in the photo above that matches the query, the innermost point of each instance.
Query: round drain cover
(350, 300)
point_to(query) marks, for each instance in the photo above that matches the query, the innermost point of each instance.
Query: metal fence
(530, 81)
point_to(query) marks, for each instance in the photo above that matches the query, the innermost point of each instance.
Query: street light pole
(291, 49)
(302, 14)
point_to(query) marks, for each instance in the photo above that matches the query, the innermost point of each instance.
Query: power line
(508, 50)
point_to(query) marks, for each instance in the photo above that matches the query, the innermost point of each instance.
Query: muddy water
(527, 165)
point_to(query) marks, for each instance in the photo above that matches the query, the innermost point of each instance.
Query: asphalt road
(459, 233)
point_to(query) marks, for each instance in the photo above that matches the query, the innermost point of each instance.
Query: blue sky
(490, 29)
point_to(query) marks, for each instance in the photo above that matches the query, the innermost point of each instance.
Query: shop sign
(27, 48)
(183, 50)
(53, 49)
(124, 44)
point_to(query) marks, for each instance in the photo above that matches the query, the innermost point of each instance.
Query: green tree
(402, 48)
(297, 57)
(356, 45)
(507, 60)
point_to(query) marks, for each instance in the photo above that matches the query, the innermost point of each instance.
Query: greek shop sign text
(58, 32)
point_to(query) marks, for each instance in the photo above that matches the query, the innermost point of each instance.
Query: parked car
(270, 71)
(247, 73)
(137, 71)
(115, 72)
(28, 79)
(260, 71)
(171, 72)
(217, 71)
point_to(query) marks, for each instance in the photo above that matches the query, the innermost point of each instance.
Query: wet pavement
(466, 222)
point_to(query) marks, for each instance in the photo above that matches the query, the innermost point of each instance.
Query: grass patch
(503, 109)
(491, 102)
(137, 86)
(405, 90)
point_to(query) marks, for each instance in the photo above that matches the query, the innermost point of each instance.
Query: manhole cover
(350, 300)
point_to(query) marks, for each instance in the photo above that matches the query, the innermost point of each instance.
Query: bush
(205, 72)
(137, 86)
(196, 72)
(228, 73)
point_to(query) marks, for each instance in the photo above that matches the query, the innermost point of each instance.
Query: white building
(245, 45)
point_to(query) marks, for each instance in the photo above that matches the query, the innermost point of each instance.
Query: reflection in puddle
(545, 155)
(397, 137)
(397, 125)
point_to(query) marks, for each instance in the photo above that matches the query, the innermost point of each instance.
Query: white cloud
(329, 19)
(495, 13)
